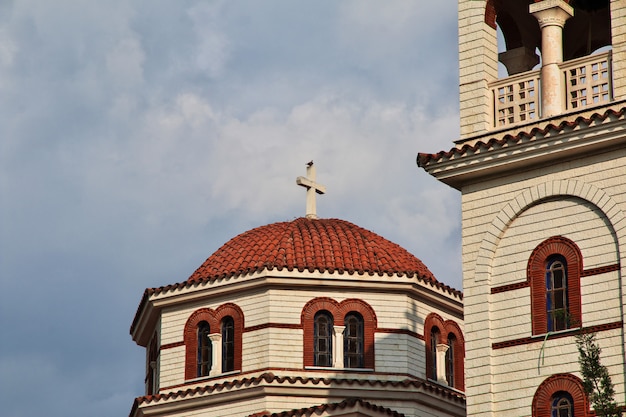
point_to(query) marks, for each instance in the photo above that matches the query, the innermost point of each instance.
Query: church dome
(325, 245)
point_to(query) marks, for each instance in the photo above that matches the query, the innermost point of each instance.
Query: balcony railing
(586, 83)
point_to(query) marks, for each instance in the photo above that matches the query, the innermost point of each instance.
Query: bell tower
(541, 166)
(563, 35)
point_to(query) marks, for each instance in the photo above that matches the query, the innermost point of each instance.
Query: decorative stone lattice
(588, 82)
(516, 99)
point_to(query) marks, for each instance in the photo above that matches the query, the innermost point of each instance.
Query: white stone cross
(311, 188)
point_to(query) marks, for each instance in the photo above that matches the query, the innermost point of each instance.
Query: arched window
(323, 339)
(204, 349)
(338, 334)
(556, 293)
(562, 405)
(228, 344)
(222, 331)
(151, 377)
(353, 341)
(560, 395)
(434, 340)
(554, 270)
(445, 368)
(450, 356)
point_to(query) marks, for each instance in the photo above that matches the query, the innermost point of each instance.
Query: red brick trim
(586, 273)
(536, 272)
(233, 310)
(490, 14)
(542, 401)
(400, 331)
(510, 287)
(539, 339)
(172, 345)
(272, 326)
(445, 328)
(601, 270)
(339, 312)
(214, 318)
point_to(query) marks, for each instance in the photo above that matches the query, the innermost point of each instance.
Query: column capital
(441, 347)
(551, 12)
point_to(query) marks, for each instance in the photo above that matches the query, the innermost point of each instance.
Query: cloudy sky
(138, 136)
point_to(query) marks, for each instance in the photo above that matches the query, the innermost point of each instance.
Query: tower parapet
(562, 57)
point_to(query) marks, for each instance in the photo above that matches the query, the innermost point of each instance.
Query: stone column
(216, 349)
(338, 346)
(441, 363)
(551, 15)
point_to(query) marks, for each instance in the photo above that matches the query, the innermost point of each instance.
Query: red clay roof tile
(269, 377)
(310, 244)
(424, 159)
(320, 409)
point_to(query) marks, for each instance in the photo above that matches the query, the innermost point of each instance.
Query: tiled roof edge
(270, 377)
(318, 409)
(423, 159)
(186, 284)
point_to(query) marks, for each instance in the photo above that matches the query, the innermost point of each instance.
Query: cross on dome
(312, 188)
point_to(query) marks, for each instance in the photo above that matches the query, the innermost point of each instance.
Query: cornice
(509, 154)
(269, 384)
(433, 293)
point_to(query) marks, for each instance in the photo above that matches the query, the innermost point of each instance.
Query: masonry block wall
(618, 33)
(504, 219)
(478, 65)
(273, 334)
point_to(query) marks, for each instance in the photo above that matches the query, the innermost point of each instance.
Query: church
(320, 317)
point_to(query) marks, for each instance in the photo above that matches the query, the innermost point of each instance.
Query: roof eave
(466, 165)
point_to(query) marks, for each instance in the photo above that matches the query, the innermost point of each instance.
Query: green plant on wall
(596, 379)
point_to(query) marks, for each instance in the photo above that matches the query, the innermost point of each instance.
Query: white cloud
(212, 45)
(124, 63)
(139, 136)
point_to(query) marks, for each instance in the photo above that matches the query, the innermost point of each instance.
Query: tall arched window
(151, 377)
(554, 270)
(345, 329)
(353, 341)
(228, 344)
(226, 323)
(434, 340)
(323, 339)
(450, 356)
(556, 293)
(204, 349)
(562, 405)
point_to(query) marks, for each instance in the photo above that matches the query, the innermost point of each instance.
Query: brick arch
(190, 338)
(214, 318)
(536, 275)
(451, 327)
(536, 195)
(490, 14)
(233, 310)
(369, 326)
(307, 318)
(434, 320)
(339, 312)
(445, 328)
(542, 400)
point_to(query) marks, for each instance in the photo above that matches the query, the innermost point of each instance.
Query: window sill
(548, 335)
